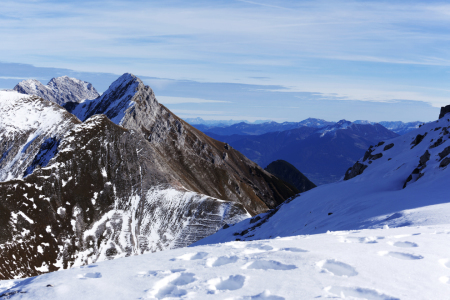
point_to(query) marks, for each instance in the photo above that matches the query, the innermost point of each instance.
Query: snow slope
(380, 264)
(30, 129)
(404, 182)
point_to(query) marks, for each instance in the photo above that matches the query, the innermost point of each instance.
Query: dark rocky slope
(287, 172)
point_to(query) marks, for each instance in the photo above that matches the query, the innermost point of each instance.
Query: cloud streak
(179, 100)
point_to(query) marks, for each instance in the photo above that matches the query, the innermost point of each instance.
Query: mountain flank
(287, 172)
(124, 176)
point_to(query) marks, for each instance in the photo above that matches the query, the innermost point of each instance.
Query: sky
(236, 59)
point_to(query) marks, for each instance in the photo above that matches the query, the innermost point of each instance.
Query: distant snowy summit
(59, 90)
(231, 127)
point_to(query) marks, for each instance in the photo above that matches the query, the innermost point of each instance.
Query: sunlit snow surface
(380, 264)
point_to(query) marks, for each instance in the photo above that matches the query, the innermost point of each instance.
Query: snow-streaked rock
(30, 129)
(359, 264)
(109, 191)
(106, 194)
(113, 103)
(59, 90)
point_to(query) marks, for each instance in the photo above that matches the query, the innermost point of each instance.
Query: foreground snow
(380, 264)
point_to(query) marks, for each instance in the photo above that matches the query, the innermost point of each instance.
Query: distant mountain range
(322, 154)
(219, 123)
(397, 183)
(396, 126)
(261, 127)
(257, 129)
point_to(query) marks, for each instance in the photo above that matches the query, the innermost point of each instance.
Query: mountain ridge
(60, 90)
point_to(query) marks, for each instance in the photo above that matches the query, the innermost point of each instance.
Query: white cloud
(188, 112)
(179, 100)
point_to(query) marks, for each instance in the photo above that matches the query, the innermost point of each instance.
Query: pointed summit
(114, 102)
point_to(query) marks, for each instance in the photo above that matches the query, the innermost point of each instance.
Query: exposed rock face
(417, 172)
(103, 191)
(357, 169)
(287, 172)
(444, 110)
(387, 147)
(59, 90)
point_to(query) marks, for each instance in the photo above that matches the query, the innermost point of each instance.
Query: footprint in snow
(444, 279)
(220, 261)
(90, 275)
(445, 262)
(361, 240)
(401, 255)
(231, 283)
(260, 247)
(89, 266)
(257, 248)
(268, 265)
(293, 249)
(266, 295)
(191, 256)
(358, 293)
(337, 268)
(404, 244)
(159, 273)
(170, 286)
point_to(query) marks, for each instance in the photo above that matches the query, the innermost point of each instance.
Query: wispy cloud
(179, 100)
(188, 112)
(263, 4)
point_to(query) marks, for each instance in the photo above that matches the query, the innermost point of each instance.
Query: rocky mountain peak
(121, 96)
(60, 90)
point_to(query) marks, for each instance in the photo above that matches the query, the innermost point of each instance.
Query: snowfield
(375, 264)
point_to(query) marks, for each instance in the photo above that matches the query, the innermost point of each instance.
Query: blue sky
(280, 60)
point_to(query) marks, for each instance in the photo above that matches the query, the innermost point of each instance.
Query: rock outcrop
(444, 110)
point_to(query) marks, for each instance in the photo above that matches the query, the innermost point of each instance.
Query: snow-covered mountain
(213, 123)
(400, 182)
(245, 128)
(30, 131)
(398, 127)
(59, 90)
(104, 191)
